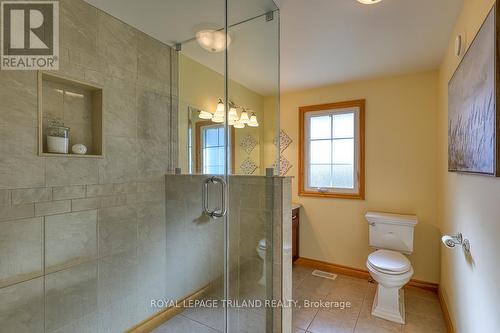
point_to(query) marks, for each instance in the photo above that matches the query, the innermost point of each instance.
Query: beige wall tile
(71, 295)
(19, 165)
(113, 38)
(78, 26)
(19, 98)
(117, 230)
(17, 212)
(99, 190)
(21, 307)
(68, 192)
(70, 239)
(120, 164)
(21, 250)
(5, 197)
(70, 171)
(22, 196)
(85, 204)
(52, 207)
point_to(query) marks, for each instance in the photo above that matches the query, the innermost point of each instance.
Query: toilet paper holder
(458, 239)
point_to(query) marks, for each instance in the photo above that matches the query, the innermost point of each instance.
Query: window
(332, 150)
(211, 148)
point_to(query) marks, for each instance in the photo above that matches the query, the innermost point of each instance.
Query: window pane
(343, 125)
(221, 136)
(321, 127)
(211, 137)
(321, 152)
(343, 176)
(221, 158)
(343, 151)
(211, 156)
(214, 170)
(320, 175)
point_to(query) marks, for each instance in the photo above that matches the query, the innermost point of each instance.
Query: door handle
(217, 212)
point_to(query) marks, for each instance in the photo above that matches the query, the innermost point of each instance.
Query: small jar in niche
(57, 137)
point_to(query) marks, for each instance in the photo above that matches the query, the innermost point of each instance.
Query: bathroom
(244, 166)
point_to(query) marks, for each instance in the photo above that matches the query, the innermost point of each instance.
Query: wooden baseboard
(446, 313)
(156, 320)
(356, 272)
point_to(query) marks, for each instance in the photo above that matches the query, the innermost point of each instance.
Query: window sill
(352, 196)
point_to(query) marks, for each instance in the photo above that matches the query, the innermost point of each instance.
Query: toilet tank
(391, 231)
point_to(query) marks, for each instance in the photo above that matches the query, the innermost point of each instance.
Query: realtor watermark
(29, 35)
(253, 303)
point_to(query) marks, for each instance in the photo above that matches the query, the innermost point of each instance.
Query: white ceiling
(251, 61)
(322, 41)
(333, 41)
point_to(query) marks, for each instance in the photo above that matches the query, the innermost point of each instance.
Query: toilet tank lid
(389, 218)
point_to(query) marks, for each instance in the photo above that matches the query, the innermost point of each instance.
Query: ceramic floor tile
(302, 317)
(181, 324)
(327, 322)
(299, 273)
(416, 323)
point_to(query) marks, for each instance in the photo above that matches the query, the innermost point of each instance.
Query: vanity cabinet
(295, 233)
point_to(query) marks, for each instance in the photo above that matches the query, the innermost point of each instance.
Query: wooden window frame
(232, 148)
(360, 195)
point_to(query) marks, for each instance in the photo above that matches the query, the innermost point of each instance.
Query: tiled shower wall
(82, 240)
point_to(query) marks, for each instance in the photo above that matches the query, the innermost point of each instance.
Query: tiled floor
(423, 312)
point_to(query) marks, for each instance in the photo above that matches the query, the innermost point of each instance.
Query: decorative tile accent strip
(248, 166)
(284, 141)
(248, 143)
(284, 165)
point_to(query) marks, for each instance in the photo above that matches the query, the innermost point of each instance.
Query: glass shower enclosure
(224, 205)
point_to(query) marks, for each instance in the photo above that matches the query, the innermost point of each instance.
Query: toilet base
(389, 304)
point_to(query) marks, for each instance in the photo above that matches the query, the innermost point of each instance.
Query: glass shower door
(220, 235)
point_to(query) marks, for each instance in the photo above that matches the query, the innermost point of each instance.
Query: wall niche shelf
(75, 103)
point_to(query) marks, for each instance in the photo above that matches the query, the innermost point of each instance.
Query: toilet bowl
(391, 270)
(391, 235)
(261, 250)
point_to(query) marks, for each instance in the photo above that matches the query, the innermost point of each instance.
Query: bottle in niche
(57, 137)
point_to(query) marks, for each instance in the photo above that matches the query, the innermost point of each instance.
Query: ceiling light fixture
(369, 2)
(213, 40)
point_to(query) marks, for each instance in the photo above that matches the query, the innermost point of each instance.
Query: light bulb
(239, 124)
(368, 2)
(205, 115)
(253, 121)
(244, 117)
(213, 40)
(233, 114)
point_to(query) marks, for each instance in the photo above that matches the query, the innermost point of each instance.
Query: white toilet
(261, 250)
(391, 235)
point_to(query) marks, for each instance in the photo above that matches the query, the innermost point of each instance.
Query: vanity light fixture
(244, 117)
(213, 40)
(239, 124)
(253, 121)
(232, 114)
(219, 116)
(205, 115)
(369, 2)
(233, 120)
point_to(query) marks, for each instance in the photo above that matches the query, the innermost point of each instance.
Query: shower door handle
(217, 212)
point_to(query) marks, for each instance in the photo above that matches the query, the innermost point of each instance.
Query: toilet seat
(389, 262)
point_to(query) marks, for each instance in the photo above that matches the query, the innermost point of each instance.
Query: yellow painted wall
(471, 205)
(201, 87)
(401, 170)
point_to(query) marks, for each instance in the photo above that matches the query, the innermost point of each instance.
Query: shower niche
(69, 114)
